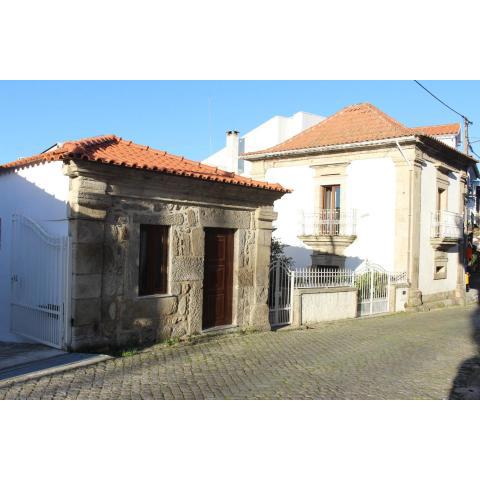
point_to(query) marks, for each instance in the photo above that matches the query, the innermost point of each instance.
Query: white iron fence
(323, 278)
(330, 222)
(371, 281)
(39, 283)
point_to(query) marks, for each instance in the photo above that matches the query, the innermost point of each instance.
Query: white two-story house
(368, 188)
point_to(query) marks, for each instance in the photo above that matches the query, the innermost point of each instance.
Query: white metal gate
(280, 294)
(39, 283)
(373, 284)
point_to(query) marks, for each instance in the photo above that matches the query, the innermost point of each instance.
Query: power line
(443, 103)
(466, 121)
(473, 151)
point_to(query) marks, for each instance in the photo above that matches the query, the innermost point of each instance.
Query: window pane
(337, 196)
(327, 198)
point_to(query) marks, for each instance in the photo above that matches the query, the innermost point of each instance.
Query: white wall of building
(270, 133)
(450, 140)
(290, 209)
(39, 192)
(427, 253)
(370, 190)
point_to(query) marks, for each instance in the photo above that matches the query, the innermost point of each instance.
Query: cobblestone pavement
(405, 356)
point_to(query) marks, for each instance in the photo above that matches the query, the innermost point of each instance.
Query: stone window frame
(440, 265)
(442, 183)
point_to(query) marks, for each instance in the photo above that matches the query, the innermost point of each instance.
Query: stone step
(439, 304)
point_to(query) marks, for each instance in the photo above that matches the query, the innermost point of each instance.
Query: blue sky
(190, 117)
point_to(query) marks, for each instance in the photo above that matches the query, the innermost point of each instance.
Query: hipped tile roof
(433, 130)
(112, 150)
(353, 124)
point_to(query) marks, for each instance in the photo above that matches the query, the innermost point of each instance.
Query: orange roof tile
(112, 150)
(353, 124)
(433, 130)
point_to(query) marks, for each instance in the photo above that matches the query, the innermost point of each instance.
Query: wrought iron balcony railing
(447, 225)
(332, 222)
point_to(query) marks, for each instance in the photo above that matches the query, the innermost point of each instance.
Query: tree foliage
(277, 252)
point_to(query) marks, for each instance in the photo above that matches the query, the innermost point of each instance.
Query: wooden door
(218, 278)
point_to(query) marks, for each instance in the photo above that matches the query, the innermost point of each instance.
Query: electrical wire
(443, 103)
(473, 151)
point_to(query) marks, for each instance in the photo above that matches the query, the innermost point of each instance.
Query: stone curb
(54, 370)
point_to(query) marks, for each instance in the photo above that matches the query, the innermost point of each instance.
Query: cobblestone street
(405, 356)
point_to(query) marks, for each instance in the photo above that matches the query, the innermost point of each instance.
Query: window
(153, 275)
(440, 266)
(330, 213)
(441, 199)
(331, 197)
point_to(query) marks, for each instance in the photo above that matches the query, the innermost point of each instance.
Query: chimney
(232, 150)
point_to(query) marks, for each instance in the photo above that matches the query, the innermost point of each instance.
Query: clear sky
(190, 117)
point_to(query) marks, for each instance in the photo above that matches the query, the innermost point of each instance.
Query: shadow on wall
(20, 196)
(302, 258)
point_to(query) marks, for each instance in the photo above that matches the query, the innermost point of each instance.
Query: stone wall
(107, 206)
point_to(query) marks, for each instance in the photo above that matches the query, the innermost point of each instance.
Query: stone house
(114, 243)
(366, 188)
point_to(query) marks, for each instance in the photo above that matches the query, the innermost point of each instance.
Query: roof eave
(446, 147)
(327, 148)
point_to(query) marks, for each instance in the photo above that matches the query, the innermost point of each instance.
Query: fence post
(277, 289)
(292, 289)
(371, 290)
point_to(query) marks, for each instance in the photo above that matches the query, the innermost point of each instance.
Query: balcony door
(330, 210)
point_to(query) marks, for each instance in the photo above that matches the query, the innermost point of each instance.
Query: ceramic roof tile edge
(443, 129)
(79, 150)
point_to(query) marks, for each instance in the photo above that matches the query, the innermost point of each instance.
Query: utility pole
(466, 122)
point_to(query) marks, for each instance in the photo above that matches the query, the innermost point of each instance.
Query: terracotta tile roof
(448, 129)
(353, 124)
(112, 150)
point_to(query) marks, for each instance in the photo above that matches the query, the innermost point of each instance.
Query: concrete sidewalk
(25, 361)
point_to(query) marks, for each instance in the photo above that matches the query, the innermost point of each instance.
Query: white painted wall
(270, 133)
(427, 254)
(370, 190)
(290, 209)
(39, 192)
(451, 140)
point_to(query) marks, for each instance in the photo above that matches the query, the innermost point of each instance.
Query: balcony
(329, 231)
(446, 228)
